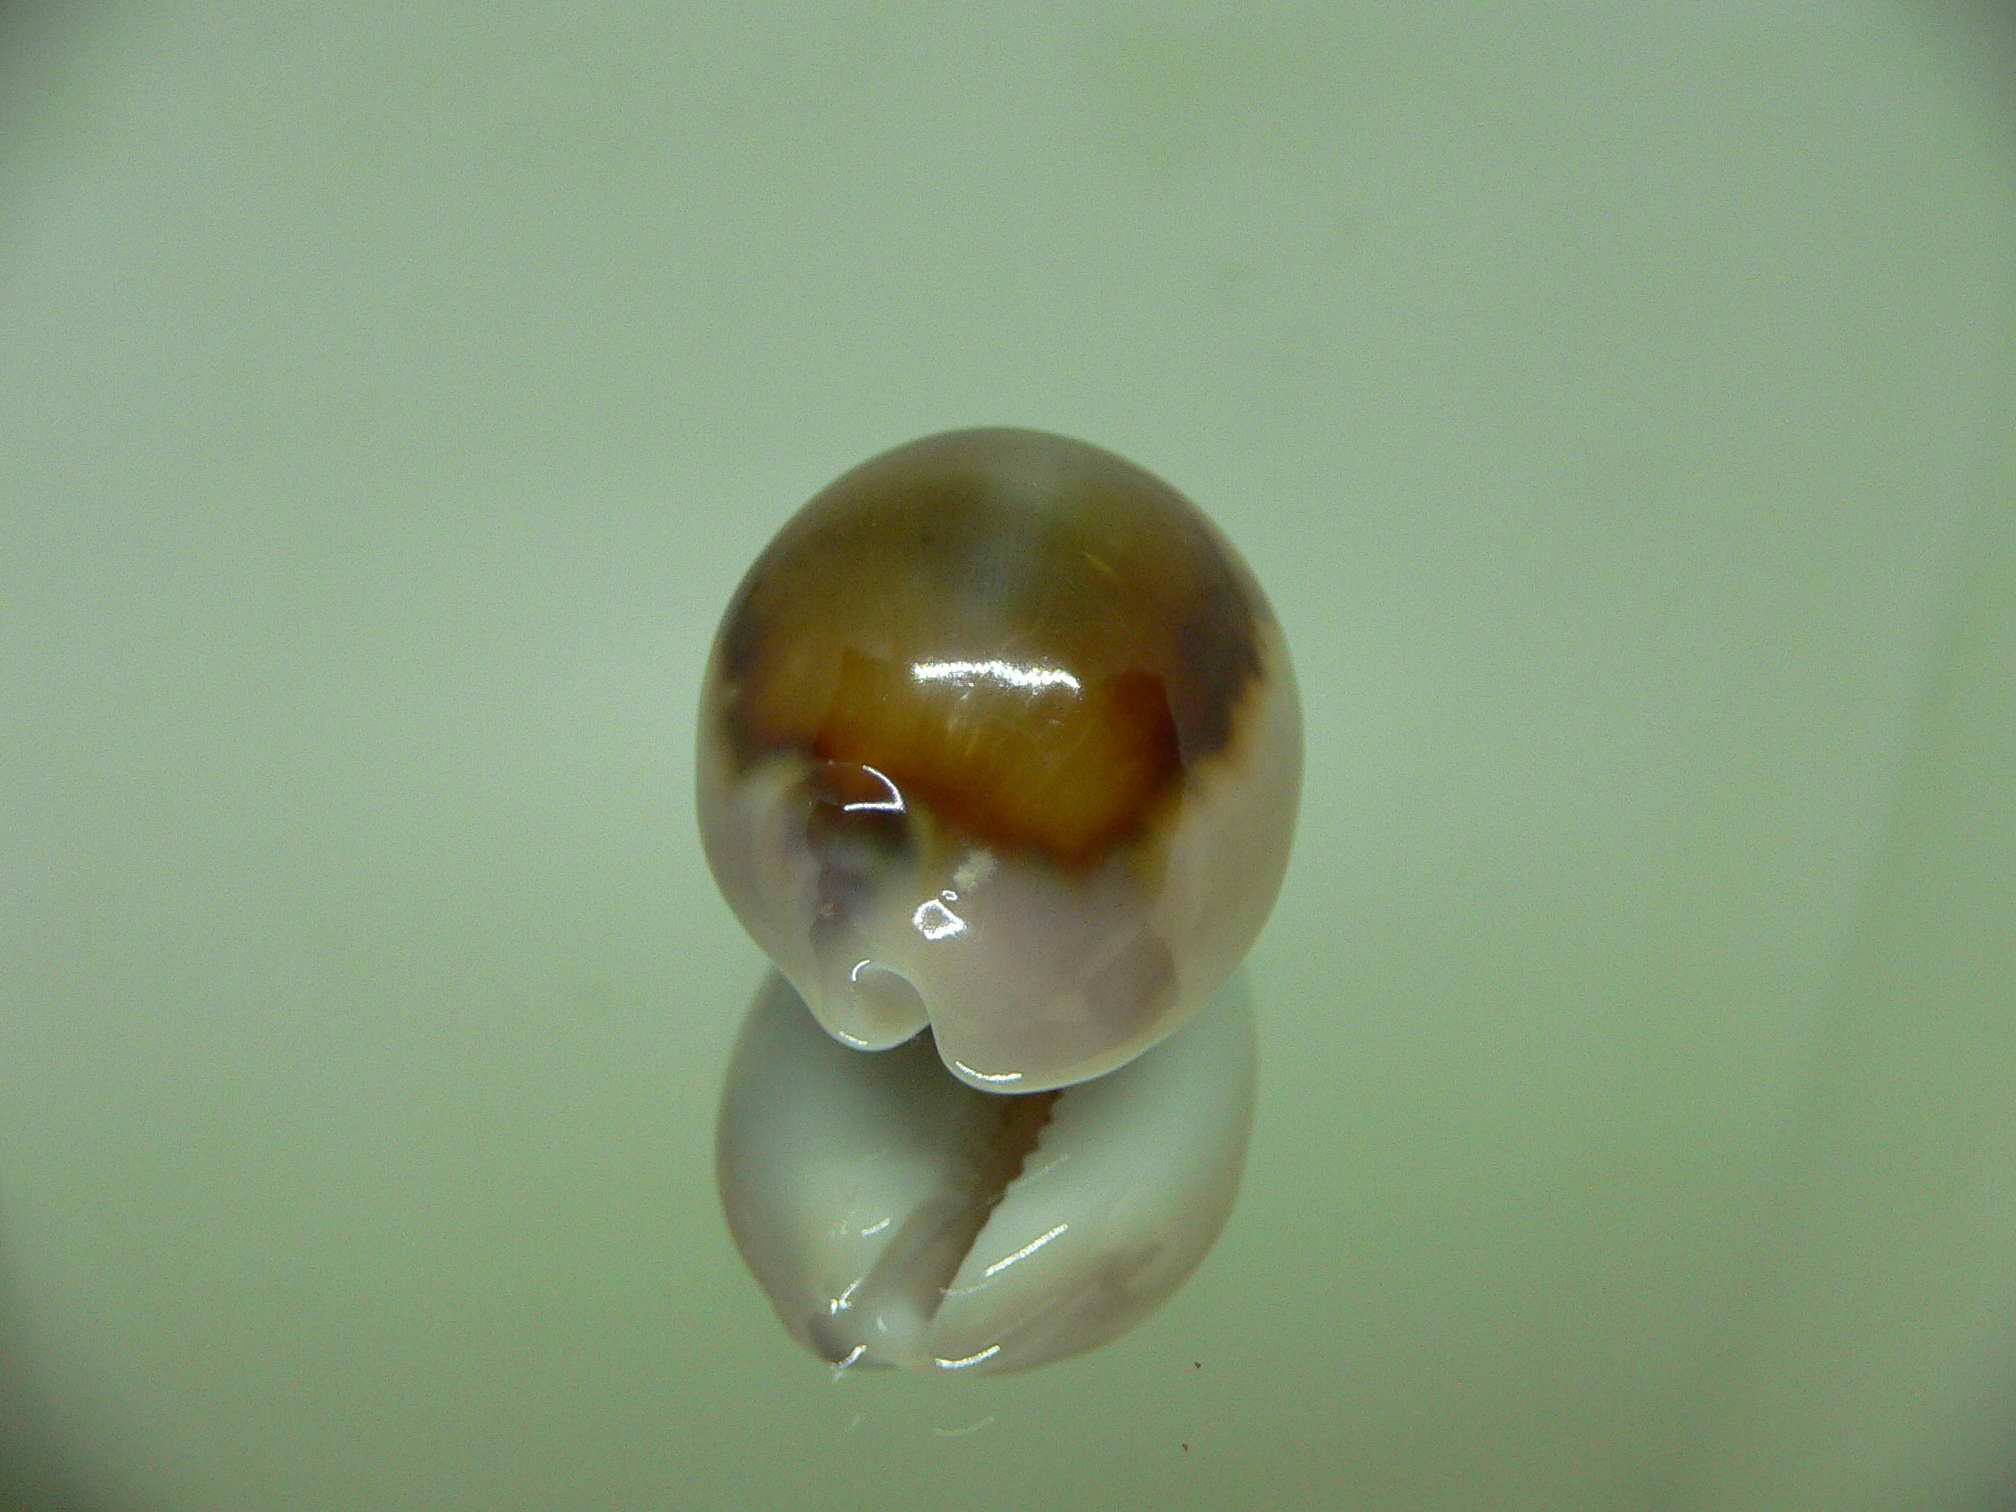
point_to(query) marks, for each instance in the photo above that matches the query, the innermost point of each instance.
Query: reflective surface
(1000, 735)
(391, 399)
(896, 1216)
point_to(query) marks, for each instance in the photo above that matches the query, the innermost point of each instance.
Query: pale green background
(390, 398)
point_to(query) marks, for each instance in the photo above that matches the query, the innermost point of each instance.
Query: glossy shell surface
(999, 736)
(896, 1217)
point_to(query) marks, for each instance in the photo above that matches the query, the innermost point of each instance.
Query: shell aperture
(895, 1216)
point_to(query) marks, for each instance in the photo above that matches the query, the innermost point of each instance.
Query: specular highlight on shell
(999, 736)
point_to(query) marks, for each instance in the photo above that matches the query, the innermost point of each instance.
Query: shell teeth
(896, 1216)
(999, 739)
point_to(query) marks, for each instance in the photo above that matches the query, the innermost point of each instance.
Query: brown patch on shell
(1030, 636)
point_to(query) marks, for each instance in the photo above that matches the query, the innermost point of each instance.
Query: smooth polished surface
(896, 1216)
(390, 400)
(1000, 736)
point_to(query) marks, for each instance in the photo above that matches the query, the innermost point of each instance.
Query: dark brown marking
(1009, 549)
(1068, 772)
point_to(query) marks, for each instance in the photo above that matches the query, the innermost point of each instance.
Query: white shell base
(845, 1175)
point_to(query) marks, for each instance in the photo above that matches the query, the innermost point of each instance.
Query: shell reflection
(1000, 736)
(896, 1216)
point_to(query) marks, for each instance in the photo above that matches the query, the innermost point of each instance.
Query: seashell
(895, 1216)
(999, 736)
